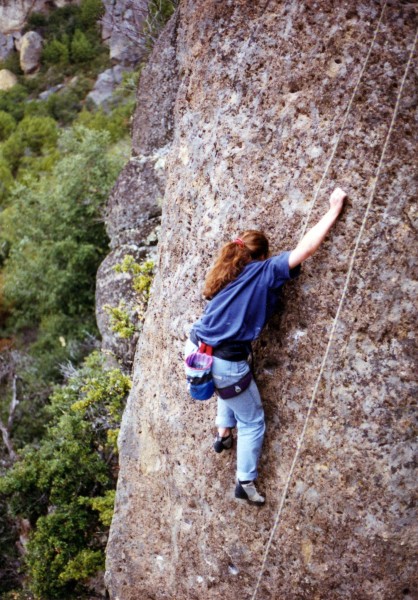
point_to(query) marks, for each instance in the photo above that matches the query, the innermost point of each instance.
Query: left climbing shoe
(222, 443)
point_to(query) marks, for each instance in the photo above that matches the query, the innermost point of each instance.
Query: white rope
(347, 112)
(333, 329)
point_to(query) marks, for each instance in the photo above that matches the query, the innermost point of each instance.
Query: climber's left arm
(315, 236)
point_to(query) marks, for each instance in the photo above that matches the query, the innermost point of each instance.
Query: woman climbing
(242, 287)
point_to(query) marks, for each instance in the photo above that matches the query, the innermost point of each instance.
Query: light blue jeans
(245, 412)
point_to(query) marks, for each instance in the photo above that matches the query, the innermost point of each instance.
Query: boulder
(250, 99)
(30, 52)
(7, 79)
(6, 45)
(105, 85)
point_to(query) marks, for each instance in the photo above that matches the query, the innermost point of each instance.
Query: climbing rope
(347, 112)
(334, 326)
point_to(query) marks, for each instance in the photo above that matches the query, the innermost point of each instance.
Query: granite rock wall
(261, 91)
(133, 211)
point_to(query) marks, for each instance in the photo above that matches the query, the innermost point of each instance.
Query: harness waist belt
(233, 351)
(235, 389)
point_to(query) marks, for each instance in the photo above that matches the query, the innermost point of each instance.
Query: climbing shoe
(246, 490)
(222, 443)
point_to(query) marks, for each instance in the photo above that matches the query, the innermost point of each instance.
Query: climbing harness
(335, 322)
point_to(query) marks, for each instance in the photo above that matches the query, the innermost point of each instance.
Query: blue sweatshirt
(241, 309)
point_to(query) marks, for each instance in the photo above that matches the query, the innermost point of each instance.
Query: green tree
(56, 53)
(64, 487)
(34, 137)
(6, 180)
(56, 234)
(81, 49)
(7, 125)
(90, 12)
(12, 101)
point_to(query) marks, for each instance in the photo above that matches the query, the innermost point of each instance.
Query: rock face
(105, 85)
(134, 207)
(30, 52)
(263, 92)
(13, 13)
(120, 26)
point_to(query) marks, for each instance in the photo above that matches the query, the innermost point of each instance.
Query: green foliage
(38, 133)
(12, 63)
(6, 180)
(53, 553)
(56, 53)
(65, 485)
(120, 322)
(159, 12)
(58, 239)
(8, 550)
(116, 123)
(84, 565)
(12, 101)
(34, 138)
(64, 107)
(104, 504)
(142, 274)
(7, 125)
(81, 48)
(90, 12)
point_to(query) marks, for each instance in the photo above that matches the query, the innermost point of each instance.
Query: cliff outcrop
(262, 108)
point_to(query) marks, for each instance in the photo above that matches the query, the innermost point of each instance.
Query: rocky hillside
(251, 101)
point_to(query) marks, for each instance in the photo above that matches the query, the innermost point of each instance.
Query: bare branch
(7, 441)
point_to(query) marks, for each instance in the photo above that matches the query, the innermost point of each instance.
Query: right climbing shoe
(246, 490)
(222, 443)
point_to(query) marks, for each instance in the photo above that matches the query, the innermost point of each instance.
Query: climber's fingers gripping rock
(337, 198)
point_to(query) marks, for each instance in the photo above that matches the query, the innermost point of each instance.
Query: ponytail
(233, 257)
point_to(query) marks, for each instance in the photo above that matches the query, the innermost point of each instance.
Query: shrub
(12, 63)
(38, 133)
(56, 53)
(64, 107)
(120, 322)
(142, 274)
(12, 151)
(91, 12)
(81, 48)
(34, 137)
(57, 239)
(12, 101)
(6, 180)
(65, 486)
(7, 125)
(116, 123)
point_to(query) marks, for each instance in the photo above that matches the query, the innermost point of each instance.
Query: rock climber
(242, 288)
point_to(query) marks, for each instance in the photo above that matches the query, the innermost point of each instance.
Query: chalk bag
(198, 367)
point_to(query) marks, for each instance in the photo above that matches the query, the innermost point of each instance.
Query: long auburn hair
(232, 259)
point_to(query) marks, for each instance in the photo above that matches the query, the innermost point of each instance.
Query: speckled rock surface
(262, 97)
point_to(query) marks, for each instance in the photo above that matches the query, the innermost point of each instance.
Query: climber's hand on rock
(336, 200)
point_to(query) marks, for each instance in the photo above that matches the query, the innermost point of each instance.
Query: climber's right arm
(315, 236)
